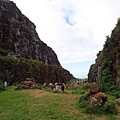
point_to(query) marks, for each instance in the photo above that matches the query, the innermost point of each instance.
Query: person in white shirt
(5, 83)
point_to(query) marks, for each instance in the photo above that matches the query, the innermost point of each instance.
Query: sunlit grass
(35, 104)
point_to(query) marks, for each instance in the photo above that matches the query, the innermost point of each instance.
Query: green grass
(40, 105)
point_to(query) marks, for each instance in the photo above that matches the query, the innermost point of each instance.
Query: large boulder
(28, 83)
(97, 99)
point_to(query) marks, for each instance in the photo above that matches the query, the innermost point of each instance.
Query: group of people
(56, 86)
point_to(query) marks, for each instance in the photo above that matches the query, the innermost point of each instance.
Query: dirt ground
(68, 98)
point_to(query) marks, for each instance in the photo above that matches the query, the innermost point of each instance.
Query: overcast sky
(75, 29)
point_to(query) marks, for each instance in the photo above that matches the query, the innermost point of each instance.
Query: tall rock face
(22, 53)
(106, 70)
(19, 37)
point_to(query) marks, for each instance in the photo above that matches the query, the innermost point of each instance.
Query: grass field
(34, 104)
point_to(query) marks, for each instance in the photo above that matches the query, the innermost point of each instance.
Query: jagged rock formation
(22, 53)
(106, 70)
(18, 70)
(19, 37)
(95, 98)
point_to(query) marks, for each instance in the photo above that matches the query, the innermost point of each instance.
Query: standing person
(10, 82)
(62, 87)
(44, 85)
(5, 84)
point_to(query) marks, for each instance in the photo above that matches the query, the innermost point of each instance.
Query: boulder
(97, 99)
(28, 83)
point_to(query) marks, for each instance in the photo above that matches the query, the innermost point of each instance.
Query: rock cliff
(19, 37)
(106, 70)
(22, 53)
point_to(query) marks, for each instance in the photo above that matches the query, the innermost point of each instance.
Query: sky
(75, 29)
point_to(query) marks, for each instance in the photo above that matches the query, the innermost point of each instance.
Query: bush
(39, 86)
(86, 86)
(72, 80)
(93, 109)
(109, 108)
(117, 94)
(82, 98)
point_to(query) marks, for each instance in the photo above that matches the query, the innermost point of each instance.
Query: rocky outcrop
(19, 37)
(29, 83)
(77, 83)
(18, 70)
(22, 53)
(95, 98)
(106, 70)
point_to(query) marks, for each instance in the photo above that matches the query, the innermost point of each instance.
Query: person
(56, 86)
(5, 83)
(50, 85)
(10, 82)
(44, 85)
(62, 87)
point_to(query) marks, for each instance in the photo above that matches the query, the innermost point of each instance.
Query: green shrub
(86, 86)
(117, 94)
(72, 80)
(109, 108)
(39, 86)
(81, 98)
(107, 82)
(92, 109)
(72, 88)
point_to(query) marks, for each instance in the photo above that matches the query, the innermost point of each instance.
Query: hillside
(22, 53)
(106, 70)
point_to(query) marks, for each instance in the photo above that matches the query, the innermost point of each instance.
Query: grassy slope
(42, 105)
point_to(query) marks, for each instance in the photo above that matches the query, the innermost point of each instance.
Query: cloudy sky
(75, 29)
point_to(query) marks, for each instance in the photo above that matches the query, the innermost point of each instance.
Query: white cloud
(75, 29)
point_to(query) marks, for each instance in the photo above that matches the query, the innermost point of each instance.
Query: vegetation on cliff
(106, 70)
(18, 69)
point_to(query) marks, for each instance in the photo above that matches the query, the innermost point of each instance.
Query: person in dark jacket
(62, 87)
